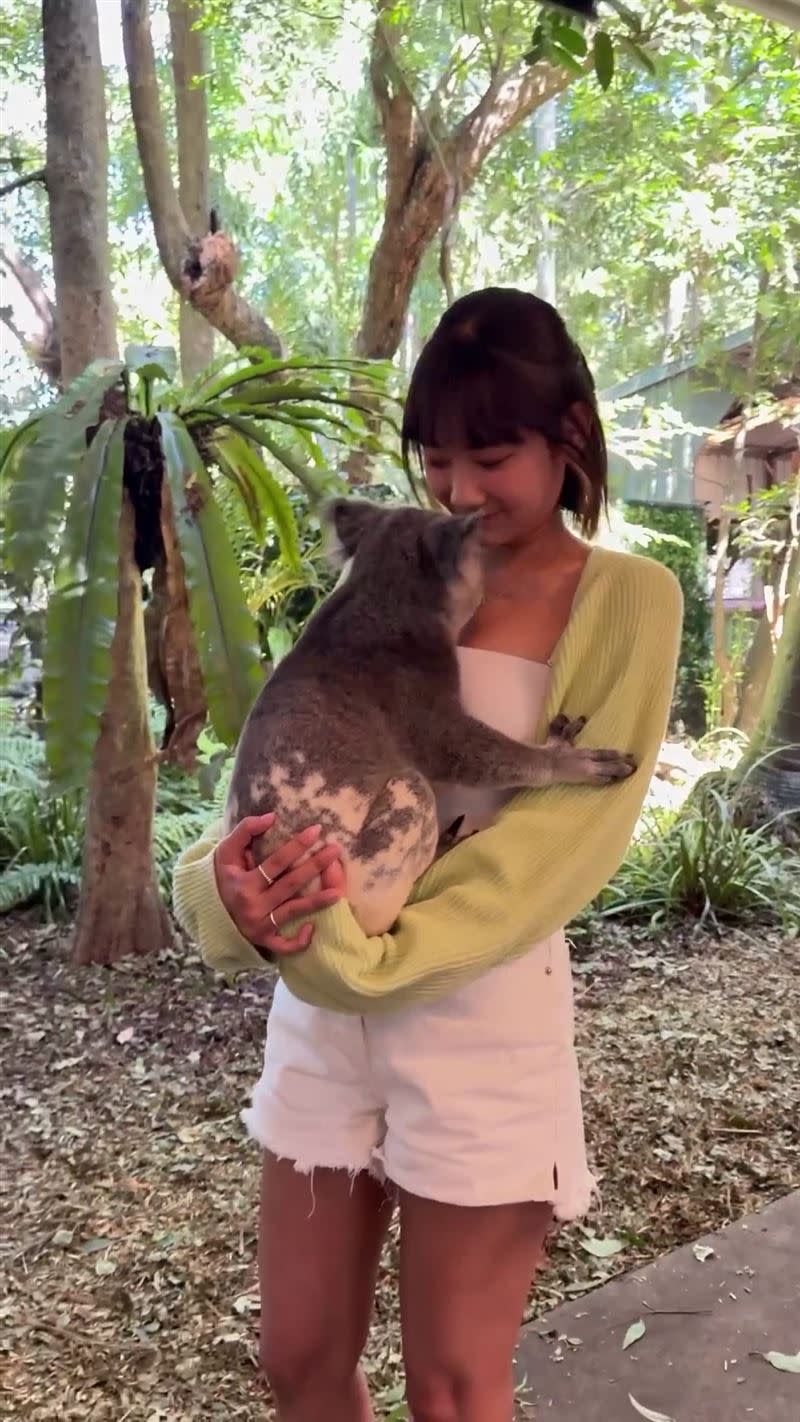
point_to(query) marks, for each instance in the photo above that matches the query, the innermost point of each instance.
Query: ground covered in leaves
(129, 1287)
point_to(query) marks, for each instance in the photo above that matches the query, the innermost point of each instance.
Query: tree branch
(191, 122)
(40, 339)
(202, 269)
(39, 175)
(505, 103)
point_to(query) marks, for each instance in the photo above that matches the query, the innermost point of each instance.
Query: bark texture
(203, 269)
(428, 172)
(191, 121)
(77, 183)
(120, 910)
(173, 663)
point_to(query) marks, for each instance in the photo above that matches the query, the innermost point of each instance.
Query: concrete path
(689, 1366)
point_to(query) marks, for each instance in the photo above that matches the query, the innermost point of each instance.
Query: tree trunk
(545, 138)
(191, 120)
(755, 677)
(727, 681)
(778, 727)
(77, 183)
(120, 910)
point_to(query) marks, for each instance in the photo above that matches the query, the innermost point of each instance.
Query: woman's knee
(298, 1367)
(451, 1391)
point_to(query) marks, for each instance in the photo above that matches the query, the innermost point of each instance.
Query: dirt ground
(129, 1190)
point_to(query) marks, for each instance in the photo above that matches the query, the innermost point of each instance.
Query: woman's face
(515, 487)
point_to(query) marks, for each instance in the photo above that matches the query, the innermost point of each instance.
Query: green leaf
(35, 500)
(573, 40)
(625, 13)
(152, 362)
(279, 640)
(634, 1333)
(602, 1248)
(82, 612)
(263, 365)
(563, 58)
(243, 486)
(603, 58)
(253, 429)
(227, 640)
(273, 499)
(13, 443)
(784, 1362)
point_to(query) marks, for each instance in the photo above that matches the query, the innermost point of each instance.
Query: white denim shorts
(472, 1100)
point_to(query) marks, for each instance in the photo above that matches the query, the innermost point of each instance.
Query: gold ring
(262, 871)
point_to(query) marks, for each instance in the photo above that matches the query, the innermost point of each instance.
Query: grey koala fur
(363, 718)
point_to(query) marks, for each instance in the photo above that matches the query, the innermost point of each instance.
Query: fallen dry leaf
(636, 1331)
(648, 1412)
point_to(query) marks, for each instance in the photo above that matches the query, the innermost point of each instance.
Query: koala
(362, 720)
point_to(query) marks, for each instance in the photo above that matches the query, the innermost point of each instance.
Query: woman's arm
(544, 860)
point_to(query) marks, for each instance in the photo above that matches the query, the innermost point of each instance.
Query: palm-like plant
(118, 479)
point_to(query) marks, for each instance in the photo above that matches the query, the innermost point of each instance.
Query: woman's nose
(466, 494)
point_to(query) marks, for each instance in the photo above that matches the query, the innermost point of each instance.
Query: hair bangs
(463, 395)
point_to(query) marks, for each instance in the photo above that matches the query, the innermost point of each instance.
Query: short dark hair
(501, 362)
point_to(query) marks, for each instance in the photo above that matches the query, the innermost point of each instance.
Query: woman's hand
(258, 907)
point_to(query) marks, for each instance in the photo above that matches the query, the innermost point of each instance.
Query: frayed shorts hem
(369, 1160)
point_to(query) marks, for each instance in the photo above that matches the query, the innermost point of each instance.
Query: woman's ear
(576, 426)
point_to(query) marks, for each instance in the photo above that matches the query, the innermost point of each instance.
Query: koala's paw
(583, 766)
(562, 731)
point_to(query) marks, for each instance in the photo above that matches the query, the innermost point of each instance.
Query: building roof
(737, 342)
(772, 429)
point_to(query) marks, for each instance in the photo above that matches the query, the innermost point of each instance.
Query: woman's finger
(333, 876)
(289, 884)
(283, 947)
(232, 849)
(299, 907)
(288, 853)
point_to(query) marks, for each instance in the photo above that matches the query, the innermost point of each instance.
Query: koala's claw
(603, 767)
(564, 730)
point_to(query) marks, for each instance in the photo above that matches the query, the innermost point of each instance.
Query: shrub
(703, 864)
(687, 560)
(41, 833)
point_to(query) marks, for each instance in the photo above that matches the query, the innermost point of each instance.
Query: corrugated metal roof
(657, 374)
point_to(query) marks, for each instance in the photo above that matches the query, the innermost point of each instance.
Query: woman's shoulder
(636, 584)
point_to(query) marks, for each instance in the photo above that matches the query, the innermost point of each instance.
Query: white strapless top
(505, 692)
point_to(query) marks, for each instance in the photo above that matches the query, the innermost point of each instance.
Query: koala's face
(412, 555)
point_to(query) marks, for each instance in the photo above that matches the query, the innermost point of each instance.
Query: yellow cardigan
(545, 858)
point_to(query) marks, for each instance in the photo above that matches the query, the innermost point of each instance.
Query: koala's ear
(444, 542)
(347, 521)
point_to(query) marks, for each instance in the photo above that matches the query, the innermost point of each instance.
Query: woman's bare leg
(464, 1279)
(319, 1247)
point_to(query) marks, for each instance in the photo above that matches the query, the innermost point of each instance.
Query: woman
(435, 1065)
